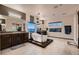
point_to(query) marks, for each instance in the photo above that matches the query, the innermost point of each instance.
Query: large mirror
(9, 23)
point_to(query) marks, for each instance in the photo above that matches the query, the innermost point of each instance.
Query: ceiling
(46, 10)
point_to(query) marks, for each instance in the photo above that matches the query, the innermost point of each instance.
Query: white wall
(76, 28)
(67, 20)
(47, 12)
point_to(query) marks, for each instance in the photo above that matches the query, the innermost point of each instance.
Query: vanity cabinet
(19, 38)
(0, 42)
(16, 39)
(25, 38)
(9, 40)
(5, 41)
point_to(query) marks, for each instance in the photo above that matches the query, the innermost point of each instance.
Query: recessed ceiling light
(56, 6)
(38, 13)
(63, 13)
(53, 14)
(60, 4)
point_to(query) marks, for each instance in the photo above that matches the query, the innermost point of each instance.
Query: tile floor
(57, 47)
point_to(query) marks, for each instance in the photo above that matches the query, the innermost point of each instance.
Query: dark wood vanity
(10, 39)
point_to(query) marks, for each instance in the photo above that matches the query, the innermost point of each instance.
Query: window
(55, 24)
(55, 30)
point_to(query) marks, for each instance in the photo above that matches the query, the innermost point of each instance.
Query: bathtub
(38, 37)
